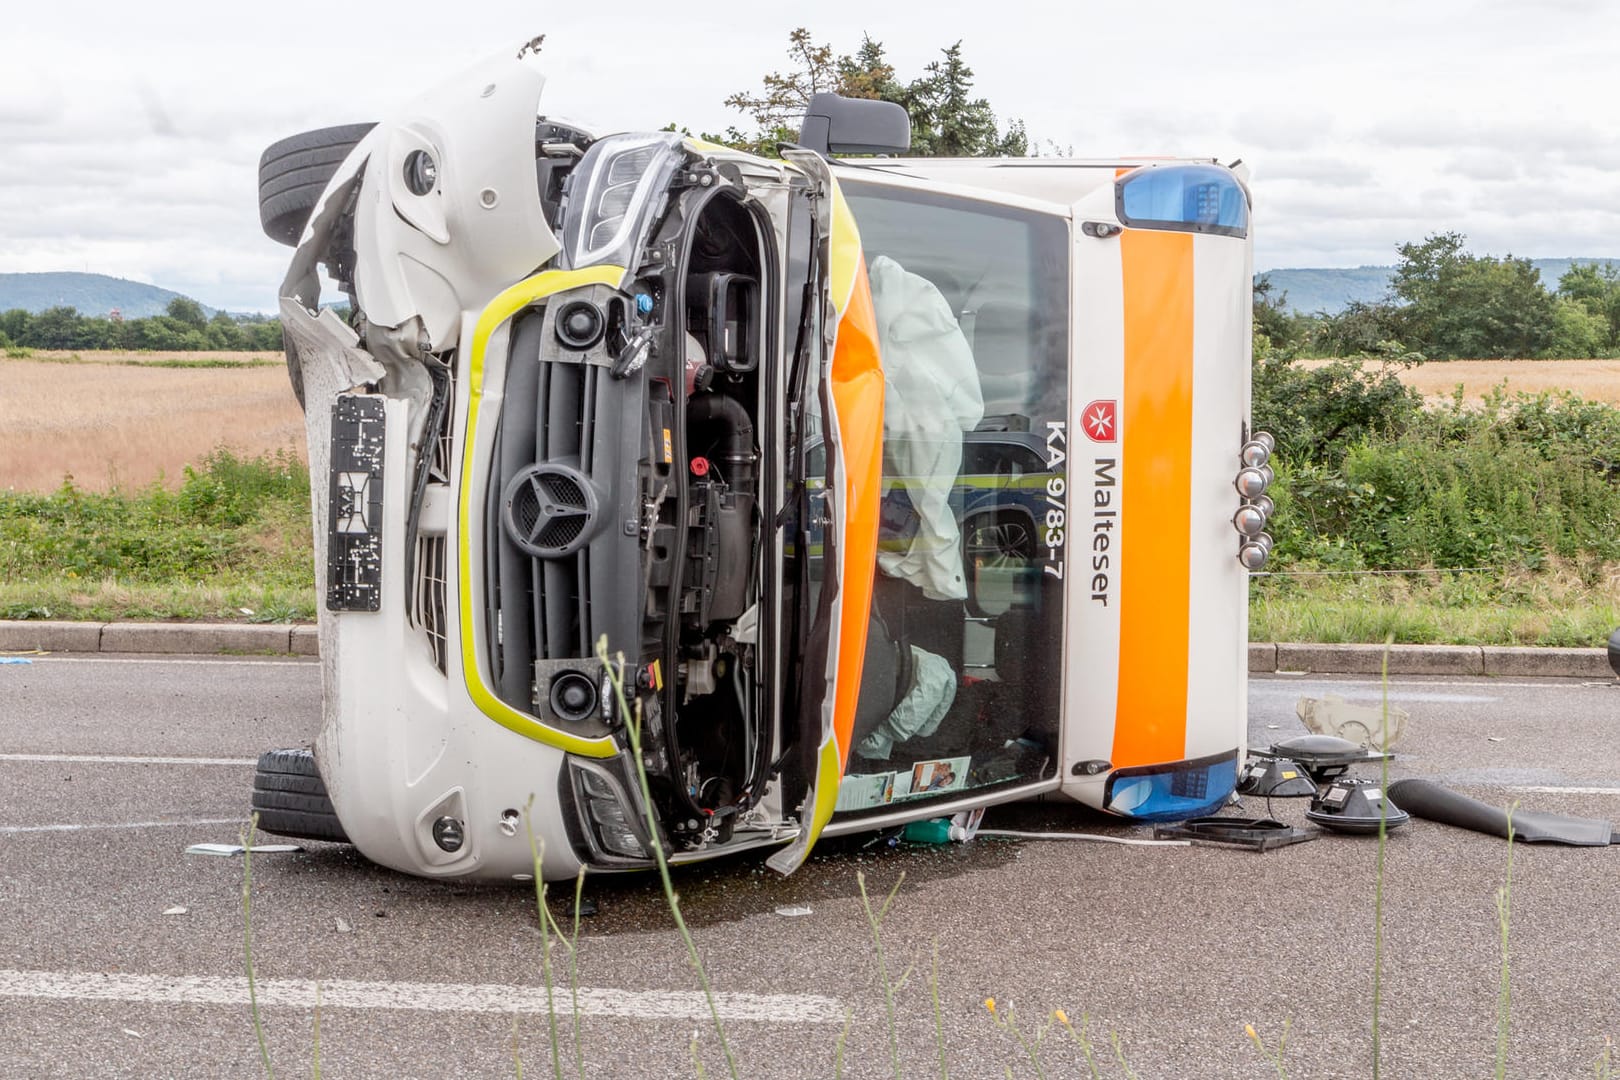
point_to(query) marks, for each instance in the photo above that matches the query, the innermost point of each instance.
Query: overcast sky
(130, 133)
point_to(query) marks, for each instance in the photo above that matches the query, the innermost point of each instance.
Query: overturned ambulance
(901, 486)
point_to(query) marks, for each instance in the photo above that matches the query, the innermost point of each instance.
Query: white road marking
(160, 658)
(8, 830)
(425, 997)
(1566, 790)
(1327, 678)
(114, 759)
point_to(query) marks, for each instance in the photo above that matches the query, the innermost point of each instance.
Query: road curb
(288, 639)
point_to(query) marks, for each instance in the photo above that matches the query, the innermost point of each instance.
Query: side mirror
(841, 125)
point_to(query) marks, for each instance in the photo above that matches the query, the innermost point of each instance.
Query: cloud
(129, 149)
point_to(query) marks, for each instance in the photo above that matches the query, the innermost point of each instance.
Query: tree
(14, 324)
(185, 310)
(1281, 329)
(1461, 305)
(1597, 289)
(946, 120)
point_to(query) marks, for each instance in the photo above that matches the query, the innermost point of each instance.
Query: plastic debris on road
(1362, 724)
(178, 909)
(228, 850)
(15, 660)
(793, 911)
(343, 926)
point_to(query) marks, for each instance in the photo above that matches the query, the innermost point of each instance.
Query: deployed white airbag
(931, 395)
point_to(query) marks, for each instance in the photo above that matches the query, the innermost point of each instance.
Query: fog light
(1252, 483)
(1254, 453)
(1249, 521)
(421, 172)
(448, 834)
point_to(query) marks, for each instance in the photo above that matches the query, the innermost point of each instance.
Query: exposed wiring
(1017, 835)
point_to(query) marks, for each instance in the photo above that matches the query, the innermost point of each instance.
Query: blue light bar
(1183, 198)
(1173, 792)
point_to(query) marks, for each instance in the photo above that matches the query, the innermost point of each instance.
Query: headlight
(606, 814)
(613, 194)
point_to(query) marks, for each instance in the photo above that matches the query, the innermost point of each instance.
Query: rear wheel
(290, 797)
(294, 172)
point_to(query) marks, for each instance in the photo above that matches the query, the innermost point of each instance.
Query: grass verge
(1566, 604)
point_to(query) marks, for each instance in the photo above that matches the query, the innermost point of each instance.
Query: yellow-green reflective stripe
(499, 310)
(829, 776)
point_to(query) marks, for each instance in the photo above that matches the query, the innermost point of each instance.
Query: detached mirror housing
(841, 125)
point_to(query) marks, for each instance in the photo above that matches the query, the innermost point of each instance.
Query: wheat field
(1595, 380)
(121, 420)
(126, 419)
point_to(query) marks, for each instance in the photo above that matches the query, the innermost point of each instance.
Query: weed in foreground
(875, 921)
(1378, 881)
(1504, 911)
(1272, 1054)
(614, 666)
(247, 941)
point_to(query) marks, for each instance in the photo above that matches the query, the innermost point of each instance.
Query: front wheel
(290, 798)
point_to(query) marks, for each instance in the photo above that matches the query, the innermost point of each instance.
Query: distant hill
(91, 294)
(1332, 290)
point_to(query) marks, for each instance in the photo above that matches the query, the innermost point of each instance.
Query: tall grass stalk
(571, 943)
(537, 853)
(247, 941)
(517, 1054)
(614, 666)
(1378, 878)
(1272, 1056)
(315, 1065)
(1081, 1040)
(1504, 1000)
(1007, 1020)
(939, 1022)
(573, 975)
(875, 921)
(838, 1049)
(1119, 1055)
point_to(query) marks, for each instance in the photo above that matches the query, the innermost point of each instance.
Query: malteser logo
(1098, 421)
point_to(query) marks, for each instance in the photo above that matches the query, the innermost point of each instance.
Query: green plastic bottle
(933, 831)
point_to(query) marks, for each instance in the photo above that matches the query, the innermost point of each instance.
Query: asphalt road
(1172, 949)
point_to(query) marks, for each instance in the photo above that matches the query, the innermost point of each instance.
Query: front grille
(431, 591)
(562, 546)
(538, 592)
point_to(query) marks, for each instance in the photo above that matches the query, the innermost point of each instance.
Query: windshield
(960, 689)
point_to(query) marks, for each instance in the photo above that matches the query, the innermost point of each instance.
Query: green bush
(1509, 484)
(216, 524)
(1316, 413)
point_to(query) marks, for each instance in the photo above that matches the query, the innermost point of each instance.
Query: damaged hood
(444, 205)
